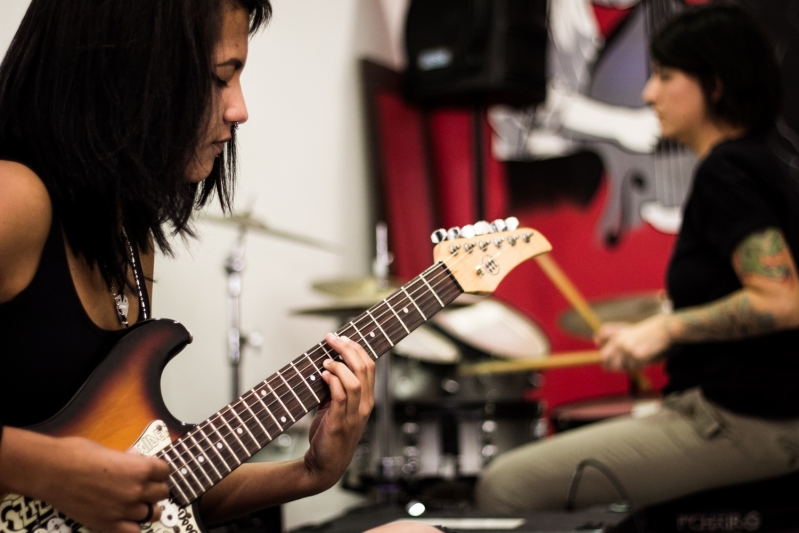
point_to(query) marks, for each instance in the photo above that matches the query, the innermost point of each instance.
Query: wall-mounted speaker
(476, 51)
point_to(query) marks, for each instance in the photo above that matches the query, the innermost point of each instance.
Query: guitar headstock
(480, 255)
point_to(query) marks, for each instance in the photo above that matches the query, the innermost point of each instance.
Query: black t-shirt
(740, 188)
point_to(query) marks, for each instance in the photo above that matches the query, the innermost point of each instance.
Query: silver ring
(149, 513)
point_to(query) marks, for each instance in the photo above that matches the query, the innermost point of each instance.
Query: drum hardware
(234, 267)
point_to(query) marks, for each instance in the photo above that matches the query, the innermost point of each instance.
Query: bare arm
(768, 301)
(103, 489)
(334, 434)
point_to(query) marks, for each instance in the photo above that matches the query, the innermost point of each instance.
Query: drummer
(730, 412)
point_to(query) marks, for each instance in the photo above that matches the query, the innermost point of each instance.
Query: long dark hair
(733, 59)
(106, 101)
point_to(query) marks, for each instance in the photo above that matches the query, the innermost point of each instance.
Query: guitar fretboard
(214, 448)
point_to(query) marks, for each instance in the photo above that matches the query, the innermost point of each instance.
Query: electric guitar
(120, 406)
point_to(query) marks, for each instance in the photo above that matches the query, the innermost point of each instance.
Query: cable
(578, 474)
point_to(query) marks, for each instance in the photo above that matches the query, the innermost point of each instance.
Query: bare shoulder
(25, 216)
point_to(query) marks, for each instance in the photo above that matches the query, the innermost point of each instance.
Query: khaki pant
(687, 446)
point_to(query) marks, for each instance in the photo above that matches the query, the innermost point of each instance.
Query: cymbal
(246, 221)
(366, 288)
(627, 308)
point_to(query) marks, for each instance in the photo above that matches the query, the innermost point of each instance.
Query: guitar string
(225, 434)
(303, 402)
(308, 393)
(306, 399)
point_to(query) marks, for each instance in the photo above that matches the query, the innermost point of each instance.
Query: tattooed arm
(768, 301)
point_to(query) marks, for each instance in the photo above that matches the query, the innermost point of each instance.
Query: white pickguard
(19, 514)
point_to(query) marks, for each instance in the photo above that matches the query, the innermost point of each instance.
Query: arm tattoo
(730, 318)
(762, 254)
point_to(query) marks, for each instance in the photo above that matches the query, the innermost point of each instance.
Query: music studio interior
(374, 123)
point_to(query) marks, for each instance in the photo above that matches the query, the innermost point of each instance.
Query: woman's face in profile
(678, 101)
(228, 107)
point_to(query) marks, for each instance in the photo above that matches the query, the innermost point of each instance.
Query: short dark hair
(106, 101)
(724, 47)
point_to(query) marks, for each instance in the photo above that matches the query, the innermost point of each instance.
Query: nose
(650, 90)
(235, 106)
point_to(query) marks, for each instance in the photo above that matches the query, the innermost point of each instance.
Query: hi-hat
(627, 308)
(246, 221)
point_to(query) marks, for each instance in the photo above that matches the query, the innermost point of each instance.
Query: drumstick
(563, 360)
(568, 290)
(573, 296)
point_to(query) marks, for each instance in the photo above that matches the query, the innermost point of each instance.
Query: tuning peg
(453, 233)
(439, 235)
(482, 227)
(498, 226)
(511, 223)
(467, 231)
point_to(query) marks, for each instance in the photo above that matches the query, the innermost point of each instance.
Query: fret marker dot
(239, 431)
(282, 418)
(201, 459)
(313, 378)
(404, 309)
(372, 334)
(263, 393)
(219, 445)
(184, 471)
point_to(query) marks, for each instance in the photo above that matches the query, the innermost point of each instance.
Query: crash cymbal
(627, 308)
(364, 288)
(247, 221)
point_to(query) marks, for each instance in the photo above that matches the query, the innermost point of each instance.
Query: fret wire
(256, 418)
(304, 381)
(318, 370)
(245, 425)
(431, 290)
(208, 460)
(291, 389)
(414, 304)
(396, 315)
(368, 312)
(260, 399)
(364, 340)
(178, 484)
(280, 401)
(190, 468)
(403, 304)
(223, 440)
(213, 447)
(236, 436)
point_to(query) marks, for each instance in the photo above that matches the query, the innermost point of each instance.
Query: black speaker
(476, 51)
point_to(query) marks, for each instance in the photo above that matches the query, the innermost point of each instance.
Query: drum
(580, 413)
(494, 329)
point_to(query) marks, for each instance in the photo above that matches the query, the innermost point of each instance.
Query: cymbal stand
(236, 340)
(389, 463)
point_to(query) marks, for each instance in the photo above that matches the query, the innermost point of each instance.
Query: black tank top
(48, 343)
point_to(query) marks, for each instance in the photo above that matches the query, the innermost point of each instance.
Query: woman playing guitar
(116, 119)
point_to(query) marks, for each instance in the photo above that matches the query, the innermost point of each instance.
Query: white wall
(303, 170)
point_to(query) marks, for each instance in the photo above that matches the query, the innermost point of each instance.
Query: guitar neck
(215, 447)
